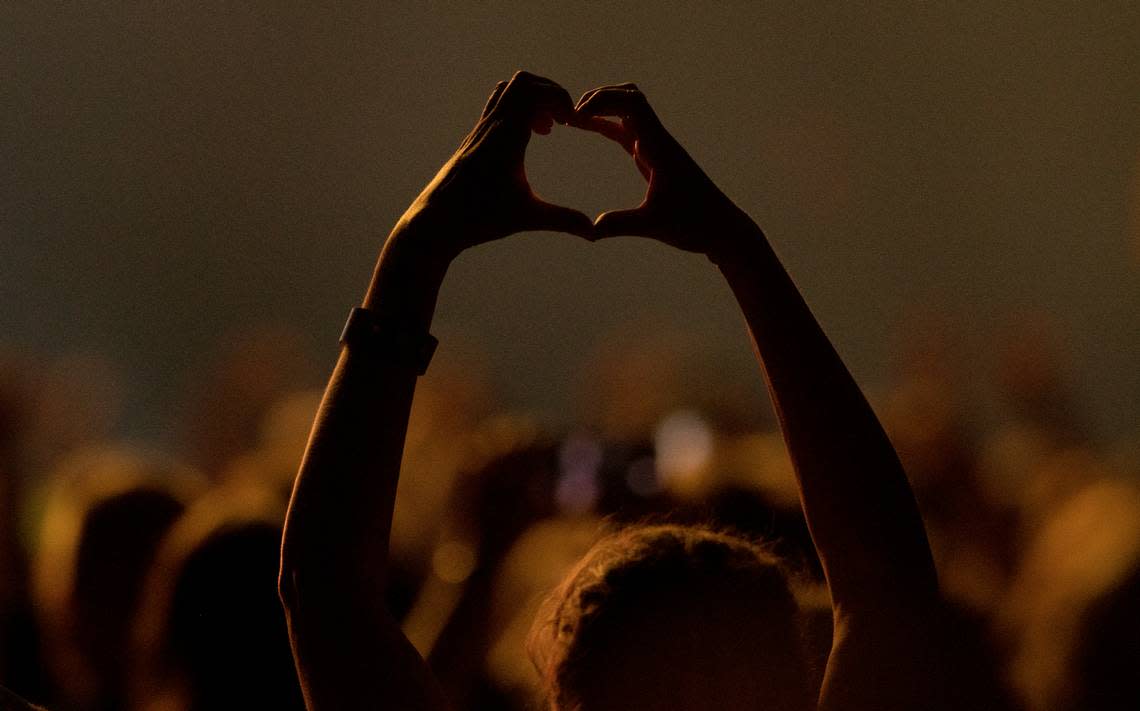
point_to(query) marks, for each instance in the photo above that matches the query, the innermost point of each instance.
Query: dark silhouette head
(1073, 608)
(211, 633)
(106, 514)
(1105, 658)
(672, 617)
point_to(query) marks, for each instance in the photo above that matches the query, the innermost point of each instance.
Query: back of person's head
(1073, 609)
(105, 514)
(1105, 658)
(211, 633)
(672, 617)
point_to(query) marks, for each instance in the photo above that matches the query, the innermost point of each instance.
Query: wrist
(739, 239)
(408, 275)
(394, 343)
(421, 243)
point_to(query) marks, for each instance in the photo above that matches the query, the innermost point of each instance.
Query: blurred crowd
(146, 580)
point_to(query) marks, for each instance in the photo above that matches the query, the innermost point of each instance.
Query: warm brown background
(172, 174)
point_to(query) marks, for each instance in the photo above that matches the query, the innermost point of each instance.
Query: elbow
(300, 565)
(287, 583)
(297, 566)
(310, 579)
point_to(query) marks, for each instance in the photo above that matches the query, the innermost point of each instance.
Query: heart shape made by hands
(581, 169)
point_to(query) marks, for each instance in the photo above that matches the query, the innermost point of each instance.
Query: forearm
(340, 515)
(349, 651)
(856, 498)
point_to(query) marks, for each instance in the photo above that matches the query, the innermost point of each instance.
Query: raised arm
(350, 653)
(856, 498)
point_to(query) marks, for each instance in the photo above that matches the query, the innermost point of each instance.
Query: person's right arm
(350, 652)
(855, 496)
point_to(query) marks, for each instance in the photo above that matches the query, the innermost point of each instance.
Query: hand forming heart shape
(482, 193)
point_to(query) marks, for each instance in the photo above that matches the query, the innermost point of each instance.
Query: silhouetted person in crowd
(105, 515)
(653, 618)
(20, 663)
(1071, 612)
(209, 635)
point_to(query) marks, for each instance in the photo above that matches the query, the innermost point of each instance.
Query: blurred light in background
(578, 461)
(684, 445)
(453, 561)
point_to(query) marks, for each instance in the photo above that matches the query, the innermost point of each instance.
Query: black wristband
(365, 331)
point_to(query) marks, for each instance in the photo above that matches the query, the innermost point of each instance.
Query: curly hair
(635, 568)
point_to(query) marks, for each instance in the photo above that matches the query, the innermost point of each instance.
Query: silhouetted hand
(482, 194)
(682, 207)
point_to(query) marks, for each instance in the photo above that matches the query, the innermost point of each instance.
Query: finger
(642, 166)
(618, 133)
(639, 153)
(612, 101)
(494, 99)
(610, 129)
(546, 216)
(542, 124)
(528, 94)
(635, 222)
(554, 94)
(527, 103)
(555, 100)
(586, 97)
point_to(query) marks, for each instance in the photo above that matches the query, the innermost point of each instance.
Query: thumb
(556, 218)
(634, 222)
